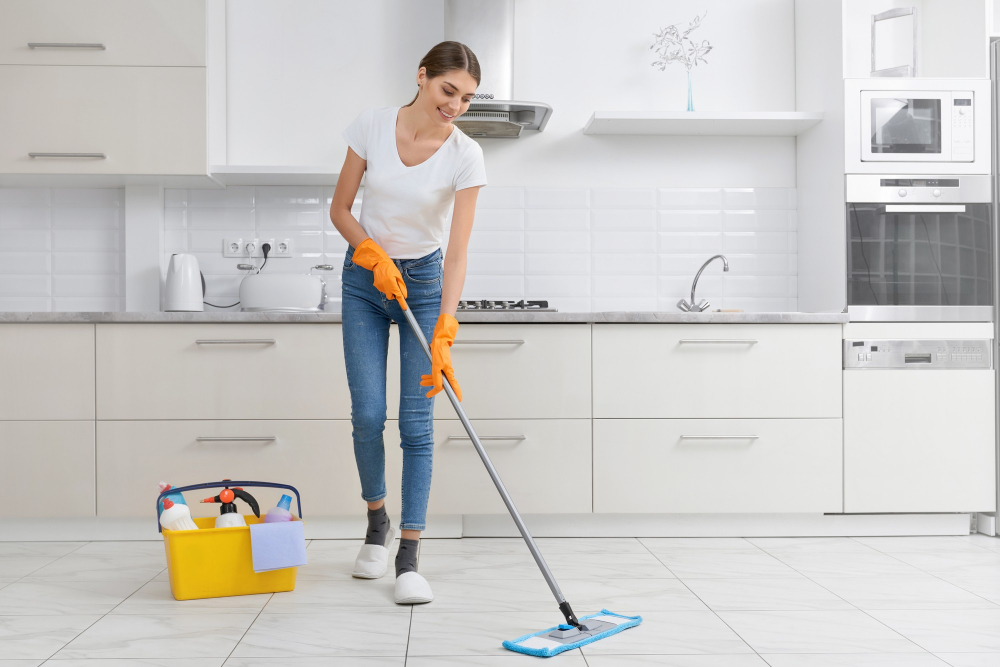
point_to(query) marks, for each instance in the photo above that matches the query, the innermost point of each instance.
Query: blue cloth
(366, 315)
(276, 546)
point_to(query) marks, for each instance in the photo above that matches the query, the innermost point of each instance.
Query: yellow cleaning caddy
(218, 562)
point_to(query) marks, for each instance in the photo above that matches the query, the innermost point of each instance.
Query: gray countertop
(639, 317)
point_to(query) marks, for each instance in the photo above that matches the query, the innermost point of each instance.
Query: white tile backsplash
(580, 248)
(62, 249)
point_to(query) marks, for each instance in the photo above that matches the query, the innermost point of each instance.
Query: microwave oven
(908, 125)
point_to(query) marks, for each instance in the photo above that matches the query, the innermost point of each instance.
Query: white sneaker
(412, 588)
(373, 559)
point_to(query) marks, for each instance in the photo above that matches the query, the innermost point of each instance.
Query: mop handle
(536, 554)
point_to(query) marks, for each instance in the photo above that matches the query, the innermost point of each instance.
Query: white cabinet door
(48, 468)
(133, 32)
(688, 371)
(923, 444)
(47, 371)
(221, 371)
(299, 71)
(511, 371)
(545, 465)
(717, 465)
(144, 120)
(314, 456)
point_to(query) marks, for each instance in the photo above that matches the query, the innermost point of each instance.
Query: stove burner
(488, 304)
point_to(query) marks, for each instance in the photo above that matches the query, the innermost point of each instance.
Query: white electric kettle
(185, 284)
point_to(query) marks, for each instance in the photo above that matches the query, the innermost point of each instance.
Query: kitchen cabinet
(545, 465)
(315, 456)
(511, 371)
(132, 120)
(686, 371)
(159, 33)
(48, 371)
(717, 465)
(221, 371)
(48, 468)
(297, 76)
(926, 445)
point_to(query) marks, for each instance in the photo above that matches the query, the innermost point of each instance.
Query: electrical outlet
(252, 248)
(280, 247)
(233, 248)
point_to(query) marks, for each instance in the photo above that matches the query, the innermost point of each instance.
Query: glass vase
(690, 97)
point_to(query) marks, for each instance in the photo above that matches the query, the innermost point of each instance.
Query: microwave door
(905, 126)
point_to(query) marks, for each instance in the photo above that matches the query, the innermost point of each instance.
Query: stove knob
(902, 192)
(936, 192)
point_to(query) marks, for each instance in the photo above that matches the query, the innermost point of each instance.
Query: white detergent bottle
(280, 512)
(176, 516)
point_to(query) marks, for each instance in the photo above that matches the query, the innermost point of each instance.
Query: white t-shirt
(405, 209)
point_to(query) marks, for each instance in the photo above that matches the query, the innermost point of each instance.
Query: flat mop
(575, 632)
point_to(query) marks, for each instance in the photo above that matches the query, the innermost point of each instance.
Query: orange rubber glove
(388, 279)
(444, 336)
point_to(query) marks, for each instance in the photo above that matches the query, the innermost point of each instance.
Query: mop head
(555, 640)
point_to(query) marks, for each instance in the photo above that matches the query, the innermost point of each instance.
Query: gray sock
(406, 557)
(378, 527)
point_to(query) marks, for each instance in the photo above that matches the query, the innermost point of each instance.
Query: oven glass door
(921, 255)
(905, 126)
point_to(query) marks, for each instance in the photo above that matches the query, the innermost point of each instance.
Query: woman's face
(446, 97)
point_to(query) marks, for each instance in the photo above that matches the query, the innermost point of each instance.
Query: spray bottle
(280, 512)
(229, 516)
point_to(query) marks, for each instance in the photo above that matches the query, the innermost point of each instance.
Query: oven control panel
(917, 354)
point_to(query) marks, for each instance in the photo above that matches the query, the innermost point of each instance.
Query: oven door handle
(925, 208)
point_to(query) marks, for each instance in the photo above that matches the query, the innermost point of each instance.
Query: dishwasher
(919, 433)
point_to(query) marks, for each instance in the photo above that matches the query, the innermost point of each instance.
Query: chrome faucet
(691, 307)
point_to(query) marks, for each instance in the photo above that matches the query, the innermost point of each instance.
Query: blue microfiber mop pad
(535, 644)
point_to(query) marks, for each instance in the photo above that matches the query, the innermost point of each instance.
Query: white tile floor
(783, 602)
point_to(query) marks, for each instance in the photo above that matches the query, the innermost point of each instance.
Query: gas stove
(488, 304)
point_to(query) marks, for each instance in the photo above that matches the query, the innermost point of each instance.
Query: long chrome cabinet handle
(66, 45)
(720, 437)
(228, 438)
(99, 156)
(489, 342)
(737, 341)
(488, 437)
(925, 208)
(236, 341)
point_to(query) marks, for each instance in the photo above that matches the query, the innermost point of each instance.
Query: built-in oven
(919, 248)
(918, 125)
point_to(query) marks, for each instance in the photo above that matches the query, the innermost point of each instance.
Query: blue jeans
(367, 314)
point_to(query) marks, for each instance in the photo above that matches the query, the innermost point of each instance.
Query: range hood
(487, 27)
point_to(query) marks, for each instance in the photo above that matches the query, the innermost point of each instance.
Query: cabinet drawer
(315, 456)
(512, 371)
(48, 468)
(919, 441)
(662, 465)
(144, 120)
(221, 371)
(48, 371)
(133, 32)
(545, 465)
(690, 371)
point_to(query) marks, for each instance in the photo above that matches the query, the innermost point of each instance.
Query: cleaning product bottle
(176, 516)
(175, 498)
(229, 516)
(280, 512)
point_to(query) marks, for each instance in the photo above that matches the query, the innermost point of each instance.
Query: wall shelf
(273, 175)
(703, 123)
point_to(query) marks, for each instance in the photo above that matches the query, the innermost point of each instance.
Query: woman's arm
(458, 243)
(343, 198)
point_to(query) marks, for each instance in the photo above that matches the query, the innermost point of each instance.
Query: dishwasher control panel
(917, 354)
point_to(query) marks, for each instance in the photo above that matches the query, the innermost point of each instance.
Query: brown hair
(448, 56)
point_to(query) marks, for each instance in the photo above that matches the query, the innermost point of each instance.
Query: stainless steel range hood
(487, 27)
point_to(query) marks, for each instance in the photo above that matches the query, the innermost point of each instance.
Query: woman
(419, 165)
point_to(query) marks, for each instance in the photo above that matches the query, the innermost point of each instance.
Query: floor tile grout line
(850, 603)
(243, 636)
(707, 606)
(409, 631)
(18, 579)
(75, 637)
